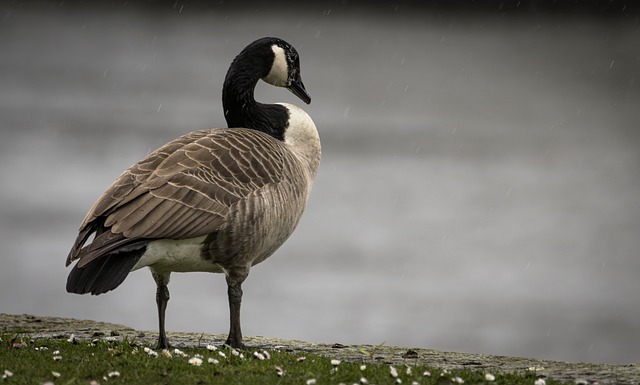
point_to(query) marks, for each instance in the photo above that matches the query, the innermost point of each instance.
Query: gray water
(479, 189)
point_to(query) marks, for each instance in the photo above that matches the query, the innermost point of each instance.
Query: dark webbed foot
(163, 343)
(236, 343)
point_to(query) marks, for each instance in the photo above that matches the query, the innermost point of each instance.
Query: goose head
(274, 61)
(285, 70)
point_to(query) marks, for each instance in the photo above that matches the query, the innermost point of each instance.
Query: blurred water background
(479, 191)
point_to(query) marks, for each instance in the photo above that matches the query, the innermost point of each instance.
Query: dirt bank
(55, 327)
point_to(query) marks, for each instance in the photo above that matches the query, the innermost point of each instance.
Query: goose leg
(234, 290)
(162, 298)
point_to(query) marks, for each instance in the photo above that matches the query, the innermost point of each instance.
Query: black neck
(239, 104)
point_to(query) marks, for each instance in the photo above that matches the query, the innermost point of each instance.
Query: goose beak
(298, 90)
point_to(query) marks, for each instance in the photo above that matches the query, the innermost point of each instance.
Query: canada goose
(218, 200)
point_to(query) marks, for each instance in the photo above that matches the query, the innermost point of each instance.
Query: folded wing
(183, 190)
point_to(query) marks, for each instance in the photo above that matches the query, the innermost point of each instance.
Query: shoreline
(57, 327)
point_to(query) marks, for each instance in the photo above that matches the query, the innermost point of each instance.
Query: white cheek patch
(279, 73)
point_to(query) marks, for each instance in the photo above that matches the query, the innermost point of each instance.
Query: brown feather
(183, 190)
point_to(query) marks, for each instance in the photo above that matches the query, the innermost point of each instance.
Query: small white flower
(57, 358)
(279, 371)
(235, 352)
(393, 372)
(540, 381)
(196, 361)
(222, 354)
(211, 348)
(311, 381)
(151, 352)
(408, 370)
(363, 380)
(213, 361)
(7, 374)
(335, 362)
(398, 381)
(55, 374)
(180, 353)
(72, 338)
(489, 377)
(457, 380)
(114, 374)
(259, 356)
(363, 367)
(166, 353)
(55, 353)
(110, 338)
(535, 368)
(426, 373)
(415, 383)
(301, 358)
(266, 354)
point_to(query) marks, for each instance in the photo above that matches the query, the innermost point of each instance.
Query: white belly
(179, 256)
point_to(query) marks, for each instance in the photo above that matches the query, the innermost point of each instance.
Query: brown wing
(182, 190)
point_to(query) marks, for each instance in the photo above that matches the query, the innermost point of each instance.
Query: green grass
(33, 361)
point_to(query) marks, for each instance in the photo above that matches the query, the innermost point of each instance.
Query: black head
(276, 62)
(273, 60)
(285, 67)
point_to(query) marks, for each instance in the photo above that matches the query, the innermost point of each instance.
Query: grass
(58, 361)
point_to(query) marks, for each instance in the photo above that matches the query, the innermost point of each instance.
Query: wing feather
(185, 189)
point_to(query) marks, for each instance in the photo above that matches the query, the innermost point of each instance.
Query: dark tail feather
(103, 274)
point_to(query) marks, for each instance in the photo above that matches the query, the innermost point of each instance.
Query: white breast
(302, 138)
